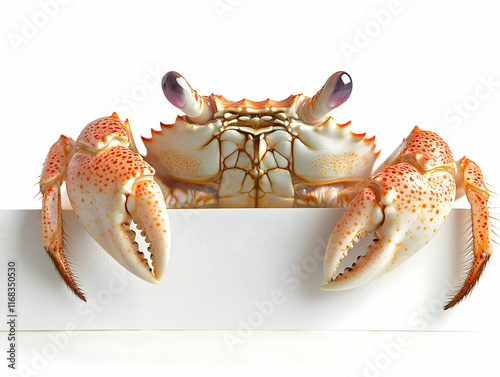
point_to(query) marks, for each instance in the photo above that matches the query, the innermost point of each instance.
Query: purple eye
(173, 85)
(341, 88)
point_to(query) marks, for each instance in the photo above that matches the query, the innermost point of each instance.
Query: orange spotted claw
(109, 187)
(403, 206)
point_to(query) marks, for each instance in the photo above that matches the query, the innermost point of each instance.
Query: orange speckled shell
(429, 150)
(100, 131)
(114, 169)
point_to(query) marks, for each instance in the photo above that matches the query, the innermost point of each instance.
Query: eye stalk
(334, 93)
(180, 94)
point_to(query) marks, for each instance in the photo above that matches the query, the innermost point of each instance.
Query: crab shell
(258, 154)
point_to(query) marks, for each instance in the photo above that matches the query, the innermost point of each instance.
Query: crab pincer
(404, 206)
(109, 187)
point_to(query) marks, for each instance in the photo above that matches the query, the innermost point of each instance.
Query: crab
(286, 153)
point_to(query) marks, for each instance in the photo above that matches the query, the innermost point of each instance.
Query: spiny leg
(471, 182)
(52, 177)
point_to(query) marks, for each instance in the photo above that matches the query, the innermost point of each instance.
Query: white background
(412, 63)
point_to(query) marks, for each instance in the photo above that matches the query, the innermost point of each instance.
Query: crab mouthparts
(255, 123)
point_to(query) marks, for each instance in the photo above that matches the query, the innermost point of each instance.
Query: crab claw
(403, 206)
(109, 223)
(109, 187)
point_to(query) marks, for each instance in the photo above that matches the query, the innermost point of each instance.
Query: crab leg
(470, 179)
(52, 177)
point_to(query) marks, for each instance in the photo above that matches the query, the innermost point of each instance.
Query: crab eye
(334, 93)
(174, 85)
(180, 94)
(341, 89)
